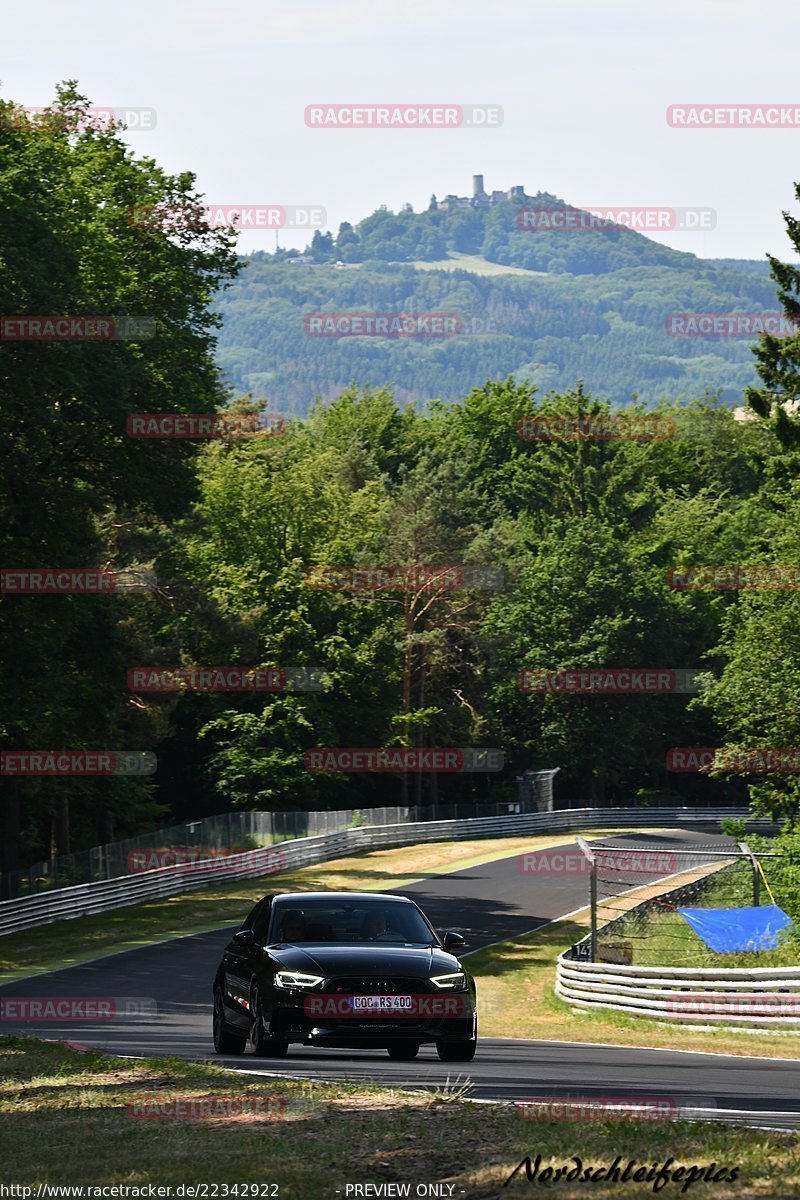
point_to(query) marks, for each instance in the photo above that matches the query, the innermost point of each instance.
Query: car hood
(326, 959)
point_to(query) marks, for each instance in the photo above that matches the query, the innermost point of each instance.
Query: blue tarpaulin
(725, 930)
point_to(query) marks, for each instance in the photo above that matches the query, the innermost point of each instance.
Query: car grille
(379, 987)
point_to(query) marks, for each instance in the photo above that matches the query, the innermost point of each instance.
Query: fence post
(583, 845)
(745, 849)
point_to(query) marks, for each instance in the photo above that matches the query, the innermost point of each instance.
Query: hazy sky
(584, 89)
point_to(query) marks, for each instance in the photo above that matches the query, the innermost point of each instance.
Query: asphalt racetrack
(488, 903)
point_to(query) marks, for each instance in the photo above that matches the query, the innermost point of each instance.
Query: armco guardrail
(251, 830)
(103, 895)
(760, 997)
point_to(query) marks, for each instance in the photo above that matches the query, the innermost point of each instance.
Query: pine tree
(779, 357)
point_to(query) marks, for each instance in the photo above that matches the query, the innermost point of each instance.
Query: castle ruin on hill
(480, 198)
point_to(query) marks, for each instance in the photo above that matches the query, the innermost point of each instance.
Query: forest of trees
(498, 233)
(608, 330)
(583, 531)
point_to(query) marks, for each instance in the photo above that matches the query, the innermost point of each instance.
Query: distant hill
(750, 266)
(586, 304)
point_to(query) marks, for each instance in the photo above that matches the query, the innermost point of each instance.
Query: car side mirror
(452, 940)
(245, 937)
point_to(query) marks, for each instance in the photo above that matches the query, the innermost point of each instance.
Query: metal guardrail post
(745, 849)
(584, 846)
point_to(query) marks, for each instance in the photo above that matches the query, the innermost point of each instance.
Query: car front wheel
(457, 1051)
(263, 1045)
(225, 1042)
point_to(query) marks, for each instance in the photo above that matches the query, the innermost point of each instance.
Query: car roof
(297, 897)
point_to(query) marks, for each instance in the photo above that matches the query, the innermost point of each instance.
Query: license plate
(382, 1004)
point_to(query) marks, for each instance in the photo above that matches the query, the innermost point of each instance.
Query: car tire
(457, 1051)
(263, 1045)
(404, 1051)
(225, 1042)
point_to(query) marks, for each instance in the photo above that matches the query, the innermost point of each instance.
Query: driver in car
(293, 927)
(375, 928)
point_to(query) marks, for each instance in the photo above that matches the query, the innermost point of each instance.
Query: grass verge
(312, 1140)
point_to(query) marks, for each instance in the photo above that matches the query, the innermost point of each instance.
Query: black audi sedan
(348, 970)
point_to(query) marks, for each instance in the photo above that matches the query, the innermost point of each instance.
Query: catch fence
(635, 893)
(235, 832)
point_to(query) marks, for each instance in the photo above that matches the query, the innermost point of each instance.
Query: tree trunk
(59, 840)
(599, 791)
(105, 827)
(420, 739)
(409, 614)
(9, 849)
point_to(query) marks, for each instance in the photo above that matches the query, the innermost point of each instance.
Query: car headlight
(456, 982)
(297, 979)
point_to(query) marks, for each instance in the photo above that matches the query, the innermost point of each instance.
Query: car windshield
(346, 921)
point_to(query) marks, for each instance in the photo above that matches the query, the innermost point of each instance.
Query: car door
(239, 961)
(261, 922)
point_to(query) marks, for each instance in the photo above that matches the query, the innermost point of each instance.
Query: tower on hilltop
(479, 198)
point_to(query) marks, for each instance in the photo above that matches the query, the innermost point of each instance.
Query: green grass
(666, 939)
(475, 263)
(659, 935)
(66, 1119)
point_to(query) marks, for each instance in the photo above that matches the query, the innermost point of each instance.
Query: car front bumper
(318, 1018)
